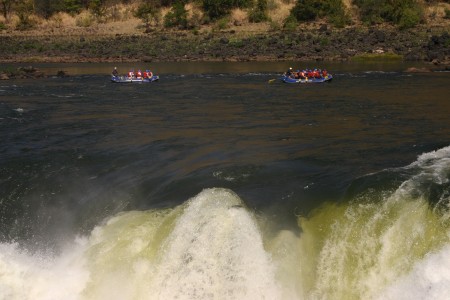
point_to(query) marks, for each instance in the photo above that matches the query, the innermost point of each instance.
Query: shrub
(148, 12)
(72, 7)
(306, 10)
(84, 20)
(404, 13)
(290, 23)
(310, 10)
(259, 12)
(24, 11)
(98, 8)
(177, 16)
(409, 18)
(216, 9)
(222, 23)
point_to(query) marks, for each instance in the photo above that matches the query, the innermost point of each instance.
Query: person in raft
(131, 74)
(139, 74)
(115, 72)
(289, 72)
(148, 74)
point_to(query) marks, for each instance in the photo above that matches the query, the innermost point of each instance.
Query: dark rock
(380, 36)
(436, 62)
(61, 74)
(412, 56)
(433, 55)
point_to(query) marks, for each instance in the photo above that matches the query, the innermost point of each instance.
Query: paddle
(271, 80)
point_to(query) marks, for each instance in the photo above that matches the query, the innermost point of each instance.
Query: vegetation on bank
(192, 14)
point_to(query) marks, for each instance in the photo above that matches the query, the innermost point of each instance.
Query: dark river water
(218, 182)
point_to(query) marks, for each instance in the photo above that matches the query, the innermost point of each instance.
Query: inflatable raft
(126, 79)
(287, 79)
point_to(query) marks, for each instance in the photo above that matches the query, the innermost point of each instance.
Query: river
(217, 182)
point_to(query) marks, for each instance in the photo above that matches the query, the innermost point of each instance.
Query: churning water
(225, 186)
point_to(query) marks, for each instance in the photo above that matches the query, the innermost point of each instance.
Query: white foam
(215, 252)
(430, 279)
(39, 276)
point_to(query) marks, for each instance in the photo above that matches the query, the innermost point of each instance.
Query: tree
(148, 12)
(24, 10)
(72, 6)
(6, 6)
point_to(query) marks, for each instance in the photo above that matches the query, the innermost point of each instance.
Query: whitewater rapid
(388, 244)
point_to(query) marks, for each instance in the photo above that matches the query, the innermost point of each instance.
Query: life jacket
(145, 75)
(131, 74)
(139, 74)
(150, 74)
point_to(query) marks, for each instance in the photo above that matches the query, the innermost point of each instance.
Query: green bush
(409, 18)
(336, 13)
(306, 10)
(177, 16)
(72, 7)
(290, 23)
(404, 13)
(222, 24)
(310, 10)
(97, 7)
(259, 12)
(24, 11)
(216, 9)
(148, 12)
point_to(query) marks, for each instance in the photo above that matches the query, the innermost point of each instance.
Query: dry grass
(119, 19)
(239, 17)
(435, 13)
(279, 10)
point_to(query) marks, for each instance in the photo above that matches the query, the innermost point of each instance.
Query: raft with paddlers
(126, 79)
(138, 77)
(306, 76)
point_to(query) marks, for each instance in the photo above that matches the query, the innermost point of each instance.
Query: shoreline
(321, 44)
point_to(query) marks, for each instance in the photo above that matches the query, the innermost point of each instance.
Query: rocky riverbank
(322, 43)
